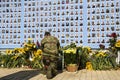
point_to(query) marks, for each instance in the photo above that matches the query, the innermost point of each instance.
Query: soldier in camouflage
(50, 46)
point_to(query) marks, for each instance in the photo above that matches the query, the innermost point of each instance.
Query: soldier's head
(47, 34)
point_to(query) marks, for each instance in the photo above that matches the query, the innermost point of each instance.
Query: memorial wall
(85, 22)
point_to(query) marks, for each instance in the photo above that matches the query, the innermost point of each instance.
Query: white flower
(31, 59)
(2, 65)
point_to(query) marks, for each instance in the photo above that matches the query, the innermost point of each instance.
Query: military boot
(49, 73)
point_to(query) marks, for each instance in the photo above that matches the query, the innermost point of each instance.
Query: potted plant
(70, 57)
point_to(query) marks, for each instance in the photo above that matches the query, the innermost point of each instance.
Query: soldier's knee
(53, 65)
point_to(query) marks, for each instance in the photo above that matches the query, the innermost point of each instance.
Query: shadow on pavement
(21, 75)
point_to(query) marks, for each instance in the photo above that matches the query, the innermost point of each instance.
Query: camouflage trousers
(50, 66)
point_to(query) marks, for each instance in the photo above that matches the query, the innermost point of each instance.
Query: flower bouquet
(70, 57)
(103, 60)
(28, 56)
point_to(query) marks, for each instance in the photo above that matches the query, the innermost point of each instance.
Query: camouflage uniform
(50, 46)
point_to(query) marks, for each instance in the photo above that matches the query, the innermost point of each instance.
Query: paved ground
(32, 74)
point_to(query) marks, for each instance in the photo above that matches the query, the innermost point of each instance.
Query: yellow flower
(19, 50)
(67, 51)
(26, 49)
(38, 52)
(70, 50)
(89, 66)
(30, 39)
(29, 45)
(101, 53)
(88, 48)
(72, 64)
(15, 57)
(117, 44)
(74, 50)
(9, 51)
(22, 50)
(118, 41)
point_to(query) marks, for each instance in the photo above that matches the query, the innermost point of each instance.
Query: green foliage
(36, 63)
(70, 59)
(112, 41)
(12, 61)
(82, 56)
(103, 62)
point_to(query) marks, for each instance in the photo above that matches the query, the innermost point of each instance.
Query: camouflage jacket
(50, 45)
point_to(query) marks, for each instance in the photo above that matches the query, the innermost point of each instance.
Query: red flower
(113, 35)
